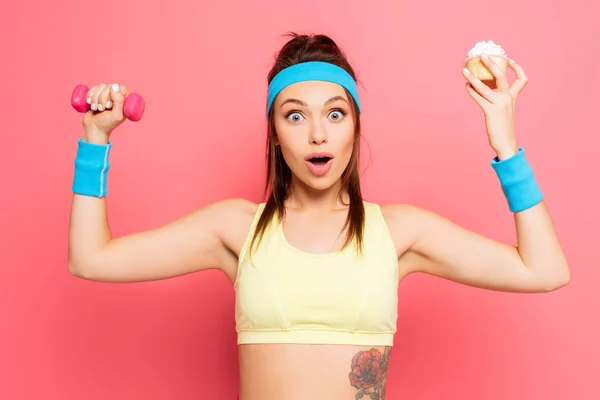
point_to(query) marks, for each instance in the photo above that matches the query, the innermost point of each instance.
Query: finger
(89, 94)
(124, 90)
(95, 96)
(521, 80)
(116, 94)
(497, 72)
(481, 88)
(103, 99)
(480, 100)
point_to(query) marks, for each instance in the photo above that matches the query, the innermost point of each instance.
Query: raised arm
(206, 238)
(430, 243)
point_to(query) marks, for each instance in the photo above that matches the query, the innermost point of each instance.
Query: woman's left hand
(498, 105)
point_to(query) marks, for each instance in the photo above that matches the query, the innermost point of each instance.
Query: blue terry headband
(311, 71)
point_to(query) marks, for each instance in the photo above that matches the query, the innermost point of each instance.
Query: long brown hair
(304, 48)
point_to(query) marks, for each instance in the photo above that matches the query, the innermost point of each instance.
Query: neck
(304, 197)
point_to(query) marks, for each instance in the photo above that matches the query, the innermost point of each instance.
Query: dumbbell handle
(133, 108)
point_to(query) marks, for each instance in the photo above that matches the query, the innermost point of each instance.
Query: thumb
(116, 94)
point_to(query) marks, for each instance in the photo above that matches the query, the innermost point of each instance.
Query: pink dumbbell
(133, 108)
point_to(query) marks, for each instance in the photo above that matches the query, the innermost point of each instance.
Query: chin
(320, 183)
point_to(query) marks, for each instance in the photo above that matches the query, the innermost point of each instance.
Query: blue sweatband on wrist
(91, 169)
(518, 182)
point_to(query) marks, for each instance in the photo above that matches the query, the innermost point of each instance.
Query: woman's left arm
(440, 247)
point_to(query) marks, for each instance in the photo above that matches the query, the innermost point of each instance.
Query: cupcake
(476, 66)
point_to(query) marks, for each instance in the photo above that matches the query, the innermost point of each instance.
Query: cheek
(289, 147)
(288, 153)
(347, 141)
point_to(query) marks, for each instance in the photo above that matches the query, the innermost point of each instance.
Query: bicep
(437, 246)
(188, 244)
(491, 275)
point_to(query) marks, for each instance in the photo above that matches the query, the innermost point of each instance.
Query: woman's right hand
(105, 113)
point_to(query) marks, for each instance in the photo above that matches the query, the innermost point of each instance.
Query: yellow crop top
(285, 295)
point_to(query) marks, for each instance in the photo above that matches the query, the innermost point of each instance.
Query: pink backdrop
(202, 68)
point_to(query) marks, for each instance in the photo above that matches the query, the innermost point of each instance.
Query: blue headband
(311, 71)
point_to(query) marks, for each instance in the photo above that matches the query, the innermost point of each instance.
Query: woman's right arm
(194, 242)
(202, 239)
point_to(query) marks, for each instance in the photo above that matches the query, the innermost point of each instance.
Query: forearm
(89, 231)
(539, 246)
(537, 241)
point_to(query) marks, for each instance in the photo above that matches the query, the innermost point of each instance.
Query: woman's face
(315, 127)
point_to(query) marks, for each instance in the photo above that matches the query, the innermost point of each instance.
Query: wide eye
(337, 115)
(294, 117)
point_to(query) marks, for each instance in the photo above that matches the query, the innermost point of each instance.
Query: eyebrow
(296, 101)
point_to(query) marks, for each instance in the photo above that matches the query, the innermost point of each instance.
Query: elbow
(79, 270)
(559, 282)
(74, 269)
(565, 281)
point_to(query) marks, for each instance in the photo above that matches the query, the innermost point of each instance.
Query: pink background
(201, 67)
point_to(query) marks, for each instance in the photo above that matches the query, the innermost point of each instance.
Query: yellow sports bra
(285, 295)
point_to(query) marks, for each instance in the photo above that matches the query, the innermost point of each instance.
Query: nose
(318, 134)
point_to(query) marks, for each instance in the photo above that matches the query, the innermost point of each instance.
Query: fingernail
(465, 71)
(93, 106)
(115, 87)
(108, 104)
(485, 56)
(100, 107)
(89, 100)
(512, 61)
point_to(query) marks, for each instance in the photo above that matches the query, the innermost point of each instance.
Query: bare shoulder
(404, 222)
(235, 218)
(414, 221)
(234, 208)
(407, 223)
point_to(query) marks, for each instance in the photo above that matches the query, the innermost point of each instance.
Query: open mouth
(319, 161)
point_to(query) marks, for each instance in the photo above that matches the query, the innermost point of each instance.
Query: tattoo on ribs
(369, 372)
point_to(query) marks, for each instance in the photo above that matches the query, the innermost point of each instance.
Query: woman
(316, 268)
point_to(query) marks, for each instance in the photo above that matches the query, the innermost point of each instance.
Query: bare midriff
(301, 371)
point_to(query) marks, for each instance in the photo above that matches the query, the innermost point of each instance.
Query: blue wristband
(91, 169)
(517, 181)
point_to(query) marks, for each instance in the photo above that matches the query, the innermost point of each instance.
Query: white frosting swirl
(486, 47)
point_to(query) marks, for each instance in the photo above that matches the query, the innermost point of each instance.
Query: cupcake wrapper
(479, 70)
